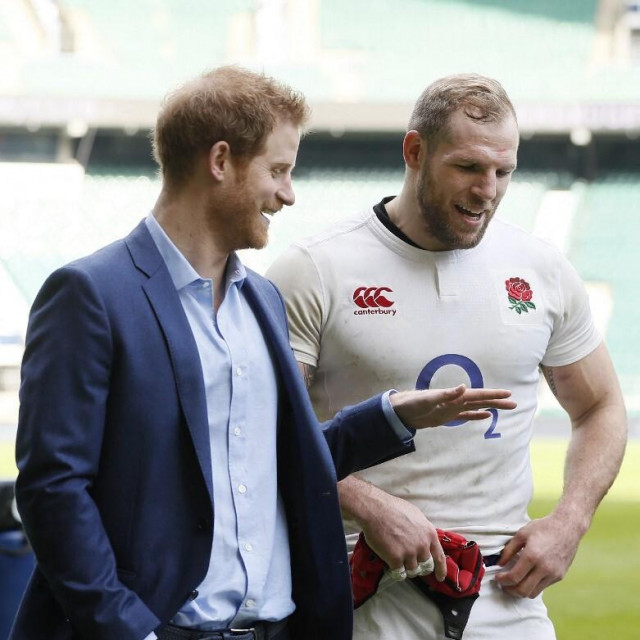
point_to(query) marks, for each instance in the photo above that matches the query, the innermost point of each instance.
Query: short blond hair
(229, 103)
(482, 99)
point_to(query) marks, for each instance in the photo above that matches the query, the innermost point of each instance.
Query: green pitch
(599, 597)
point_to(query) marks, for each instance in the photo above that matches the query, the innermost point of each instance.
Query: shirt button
(237, 431)
(242, 489)
(238, 371)
(248, 547)
(250, 603)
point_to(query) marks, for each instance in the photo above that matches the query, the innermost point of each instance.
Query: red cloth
(464, 569)
(366, 572)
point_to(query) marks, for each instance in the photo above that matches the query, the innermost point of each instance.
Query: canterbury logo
(372, 297)
(373, 300)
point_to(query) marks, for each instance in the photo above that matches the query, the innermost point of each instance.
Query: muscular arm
(589, 392)
(394, 528)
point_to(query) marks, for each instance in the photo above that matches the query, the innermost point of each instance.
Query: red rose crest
(520, 294)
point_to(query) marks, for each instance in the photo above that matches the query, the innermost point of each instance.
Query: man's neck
(404, 214)
(183, 220)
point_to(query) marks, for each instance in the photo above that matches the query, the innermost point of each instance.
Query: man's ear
(219, 160)
(413, 149)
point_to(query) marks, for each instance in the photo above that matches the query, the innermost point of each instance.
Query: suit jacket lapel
(269, 310)
(183, 352)
(271, 317)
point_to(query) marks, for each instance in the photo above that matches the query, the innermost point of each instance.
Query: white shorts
(401, 612)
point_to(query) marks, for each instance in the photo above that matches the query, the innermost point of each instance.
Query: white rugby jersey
(372, 312)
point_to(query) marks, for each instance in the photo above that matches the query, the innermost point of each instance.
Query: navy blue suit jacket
(114, 484)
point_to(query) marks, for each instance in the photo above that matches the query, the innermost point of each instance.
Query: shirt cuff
(404, 433)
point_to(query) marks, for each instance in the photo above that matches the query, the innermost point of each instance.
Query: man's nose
(485, 187)
(286, 193)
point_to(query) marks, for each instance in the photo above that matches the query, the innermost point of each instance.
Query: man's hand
(543, 550)
(434, 407)
(396, 530)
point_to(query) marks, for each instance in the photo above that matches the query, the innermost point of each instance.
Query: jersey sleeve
(297, 277)
(574, 335)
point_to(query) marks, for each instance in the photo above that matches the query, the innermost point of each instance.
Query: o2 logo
(475, 377)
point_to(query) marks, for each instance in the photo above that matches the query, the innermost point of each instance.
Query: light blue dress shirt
(249, 574)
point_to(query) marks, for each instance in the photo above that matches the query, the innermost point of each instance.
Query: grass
(599, 596)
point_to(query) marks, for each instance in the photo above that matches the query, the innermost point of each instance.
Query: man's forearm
(358, 499)
(590, 393)
(396, 530)
(541, 552)
(593, 460)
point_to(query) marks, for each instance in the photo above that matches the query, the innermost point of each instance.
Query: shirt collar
(181, 272)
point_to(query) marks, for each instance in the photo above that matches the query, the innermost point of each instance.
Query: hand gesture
(434, 407)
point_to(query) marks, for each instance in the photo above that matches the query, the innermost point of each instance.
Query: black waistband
(257, 631)
(491, 561)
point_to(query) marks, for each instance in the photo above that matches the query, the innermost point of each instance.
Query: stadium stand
(569, 66)
(138, 50)
(82, 212)
(107, 205)
(441, 34)
(604, 249)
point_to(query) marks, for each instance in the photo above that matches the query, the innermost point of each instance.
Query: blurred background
(81, 82)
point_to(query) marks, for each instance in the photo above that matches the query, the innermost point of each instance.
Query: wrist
(397, 401)
(404, 433)
(573, 518)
